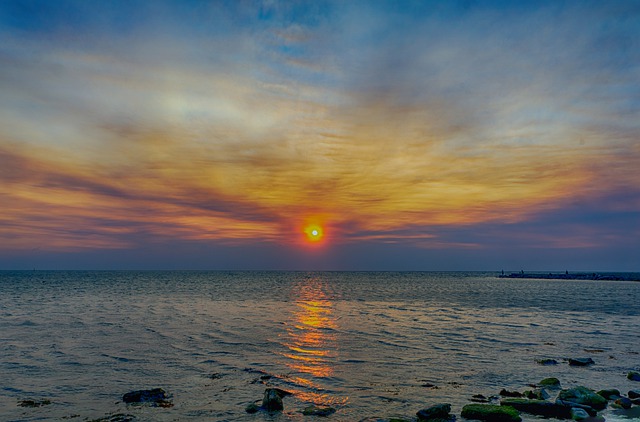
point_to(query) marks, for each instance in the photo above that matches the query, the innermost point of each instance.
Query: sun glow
(313, 232)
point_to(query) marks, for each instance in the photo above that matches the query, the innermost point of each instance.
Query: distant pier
(574, 276)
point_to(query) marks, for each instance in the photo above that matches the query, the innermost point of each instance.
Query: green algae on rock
(490, 413)
(583, 395)
(439, 412)
(538, 407)
(550, 383)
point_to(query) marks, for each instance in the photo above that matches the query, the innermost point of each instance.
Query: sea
(368, 344)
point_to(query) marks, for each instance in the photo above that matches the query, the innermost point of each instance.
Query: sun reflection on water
(311, 342)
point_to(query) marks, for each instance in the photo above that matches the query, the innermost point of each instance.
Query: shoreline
(574, 276)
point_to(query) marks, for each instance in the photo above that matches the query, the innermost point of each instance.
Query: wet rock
(537, 394)
(552, 383)
(538, 407)
(623, 403)
(252, 408)
(610, 394)
(634, 394)
(439, 411)
(479, 398)
(581, 361)
(318, 411)
(490, 413)
(546, 362)
(118, 417)
(33, 403)
(272, 400)
(583, 395)
(578, 414)
(505, 393)
(633, 376)
(156, 397)
(375, 419)
(282, 393)
(590, 410)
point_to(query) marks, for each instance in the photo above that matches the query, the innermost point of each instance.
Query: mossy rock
(633, 376)
(538, 407)
(610, 393)
(439, 411)
(583, 395)
(490, 413)
(550, 383)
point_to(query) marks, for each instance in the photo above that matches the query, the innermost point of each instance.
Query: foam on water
(369, 344)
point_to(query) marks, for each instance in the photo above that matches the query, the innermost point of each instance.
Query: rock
(272, 401)
(537, 394)
(581, 361)
(318, 411)
(505, 393)
(34, 403)
(578, 414)
(636, 402)
(490, 413)
(634, 394)
(538, 407)
(154, 397)
(610, 394)
(439, 411)
(590, 410)
(118, 417)
(623, 403)
(546, 362)
(479, 398)
(252, 408)
(633, 376)
(550, 383)
(583, 395)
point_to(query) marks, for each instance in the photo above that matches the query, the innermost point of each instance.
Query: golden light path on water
(311, 342)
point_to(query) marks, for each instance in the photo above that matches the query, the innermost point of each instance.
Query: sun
(313, 232)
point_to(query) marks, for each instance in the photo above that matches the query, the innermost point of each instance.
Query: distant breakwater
(575, 276)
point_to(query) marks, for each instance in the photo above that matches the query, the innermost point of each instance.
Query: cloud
(385, 124)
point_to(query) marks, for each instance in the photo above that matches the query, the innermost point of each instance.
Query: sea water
(368, 344)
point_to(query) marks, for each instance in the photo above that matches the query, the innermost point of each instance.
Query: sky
(412, 135)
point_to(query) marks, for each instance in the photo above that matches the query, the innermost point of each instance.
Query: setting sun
(314, 233)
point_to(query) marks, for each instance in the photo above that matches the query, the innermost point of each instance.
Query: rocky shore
(574, 276)
(546, 398)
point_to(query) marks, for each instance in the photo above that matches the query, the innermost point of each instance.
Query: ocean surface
(369, 344)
